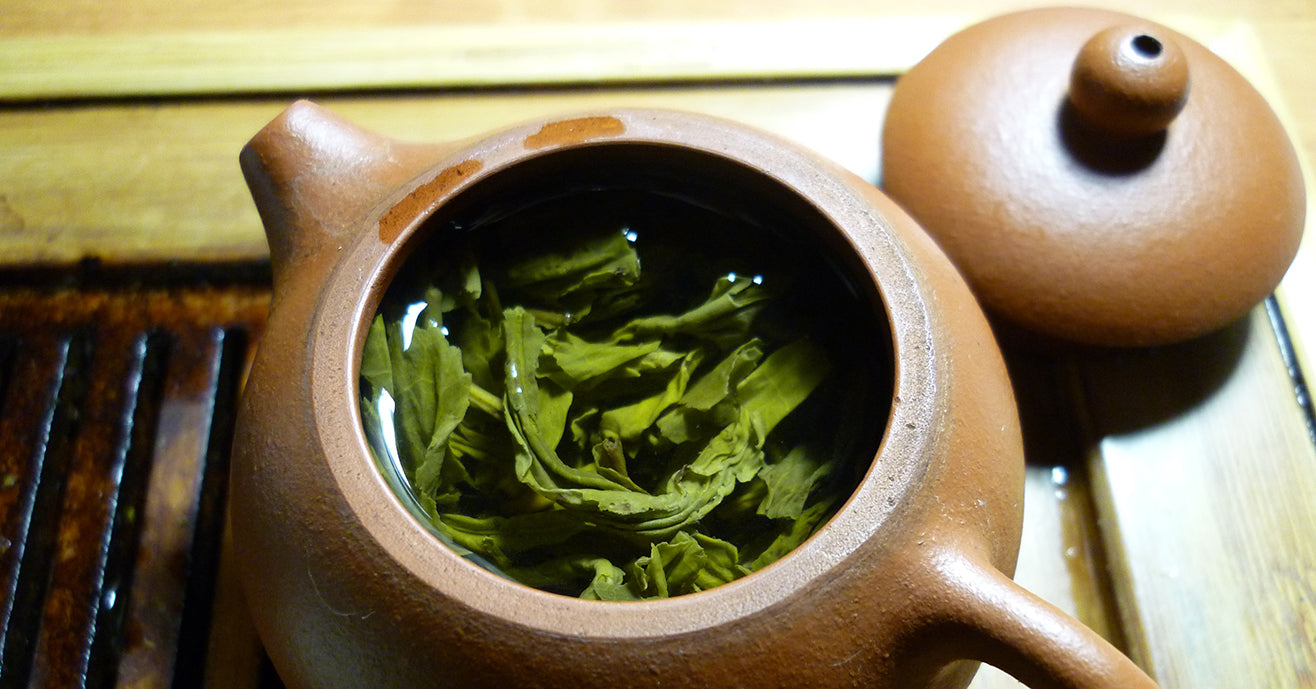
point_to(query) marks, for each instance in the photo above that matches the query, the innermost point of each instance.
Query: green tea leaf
(790, 480)
(430, 392)
(609, 583)
(572, 271)
(798, 532)
(692, 417)
(630, 421)
(594, 381)
(502, 539)
(480, 339)
(723, 379)
(606, 580)
(736, 452)
(685, 564)
(731, 457)
(582, 421)
(585, 260)
(537, 462)
(724, 318)
(376, 364)
(554, 406)
(781, 383)
(579, 363)
(436, 386)
(482, 446)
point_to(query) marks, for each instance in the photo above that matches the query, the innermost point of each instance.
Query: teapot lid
(1097, 178)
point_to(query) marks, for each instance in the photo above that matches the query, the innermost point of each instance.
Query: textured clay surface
(1156, 200)
(908, 579)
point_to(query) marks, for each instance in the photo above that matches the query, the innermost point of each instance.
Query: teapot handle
(999, 622)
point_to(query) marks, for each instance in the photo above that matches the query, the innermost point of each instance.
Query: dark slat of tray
(116, 407)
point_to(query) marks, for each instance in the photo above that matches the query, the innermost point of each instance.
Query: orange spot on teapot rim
(575, 131)
(418, 201)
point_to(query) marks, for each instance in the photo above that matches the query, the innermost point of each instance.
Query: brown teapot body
(347, 589)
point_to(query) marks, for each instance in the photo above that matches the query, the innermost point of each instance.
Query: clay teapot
(1098, 178)
(906, 586)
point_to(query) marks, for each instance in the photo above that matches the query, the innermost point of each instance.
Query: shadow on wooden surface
(1143, 388)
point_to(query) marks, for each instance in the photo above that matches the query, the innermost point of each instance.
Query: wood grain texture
(1285, 27)
(1243, 47)
(1205, 474)
(356, 58)
(136, 183)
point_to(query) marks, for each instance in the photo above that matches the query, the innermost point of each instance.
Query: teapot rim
(355, 288)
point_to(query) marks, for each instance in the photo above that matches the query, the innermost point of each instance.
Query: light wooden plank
(1296, 295)
(1242, 46)
(265, 57)
(130, 183)
(96, 16)
(317, 58)
(1205, 475)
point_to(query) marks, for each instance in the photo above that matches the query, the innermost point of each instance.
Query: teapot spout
(314, 176)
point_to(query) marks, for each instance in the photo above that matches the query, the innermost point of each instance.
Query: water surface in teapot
(622, 376)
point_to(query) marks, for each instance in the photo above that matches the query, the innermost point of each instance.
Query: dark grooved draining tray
(117, 395)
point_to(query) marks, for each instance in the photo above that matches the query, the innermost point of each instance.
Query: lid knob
(1080, 188)
(1129, 81)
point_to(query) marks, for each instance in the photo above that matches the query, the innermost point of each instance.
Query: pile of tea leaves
(593, 429)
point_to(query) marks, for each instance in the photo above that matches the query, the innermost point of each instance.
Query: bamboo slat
(262, 58)
(131, 183)
(1205, 473)
(354, 58)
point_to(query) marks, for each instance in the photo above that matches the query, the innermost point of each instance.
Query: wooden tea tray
(1171, 495)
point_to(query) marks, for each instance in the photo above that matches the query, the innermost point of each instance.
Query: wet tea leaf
(580, 441)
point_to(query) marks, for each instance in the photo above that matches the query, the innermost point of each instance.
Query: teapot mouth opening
(834, 288)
